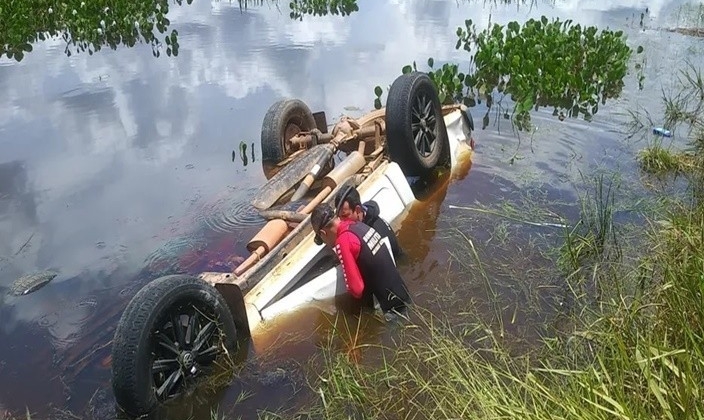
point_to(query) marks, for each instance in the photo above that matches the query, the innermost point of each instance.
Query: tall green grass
(659, 160)
(594, 236)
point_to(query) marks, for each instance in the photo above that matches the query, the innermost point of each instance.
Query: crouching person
(367, 265)
(349, 206)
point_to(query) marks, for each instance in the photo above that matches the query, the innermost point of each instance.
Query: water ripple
(167, 259)
(231, 213)
(66, 325)
(48, 320)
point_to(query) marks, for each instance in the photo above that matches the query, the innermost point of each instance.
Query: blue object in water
(659, 131)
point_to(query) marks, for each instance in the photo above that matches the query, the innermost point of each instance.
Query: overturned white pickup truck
(176, 326)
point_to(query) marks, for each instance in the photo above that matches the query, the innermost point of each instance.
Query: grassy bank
(627, 356)
(630, 348)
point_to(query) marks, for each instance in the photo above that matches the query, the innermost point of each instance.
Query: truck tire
(415, 129)
(152, 361)
(283, 120)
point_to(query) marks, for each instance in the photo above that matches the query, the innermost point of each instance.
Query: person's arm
(347, 248)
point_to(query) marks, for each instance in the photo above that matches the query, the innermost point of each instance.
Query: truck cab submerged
(175, 327)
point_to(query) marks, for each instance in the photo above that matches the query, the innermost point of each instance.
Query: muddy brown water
(117, 168)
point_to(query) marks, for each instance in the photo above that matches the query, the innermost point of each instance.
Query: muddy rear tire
(283, 120)
(415, 128)
(153, 362)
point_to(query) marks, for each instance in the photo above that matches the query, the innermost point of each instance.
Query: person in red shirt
(367, 265)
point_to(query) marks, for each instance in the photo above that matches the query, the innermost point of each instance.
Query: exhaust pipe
(268, 237)
(348, 167)
(310, 178)
(276, 230)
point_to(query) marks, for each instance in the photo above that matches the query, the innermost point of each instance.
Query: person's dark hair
(348, 194)
(320, 217)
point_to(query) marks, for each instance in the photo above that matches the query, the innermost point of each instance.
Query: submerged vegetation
(542, 63)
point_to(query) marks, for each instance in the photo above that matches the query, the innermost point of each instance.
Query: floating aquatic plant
(542, 63)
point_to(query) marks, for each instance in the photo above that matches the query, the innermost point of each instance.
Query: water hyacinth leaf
(545, 56)
(430, 62)
(378, 91)
(514, 27)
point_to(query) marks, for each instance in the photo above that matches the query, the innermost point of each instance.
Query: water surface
(117, 168)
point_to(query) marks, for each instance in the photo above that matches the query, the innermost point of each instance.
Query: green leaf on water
(639, 49)
(569, 68)
(406, 69)
(377, 103)
(378, 91)
(527, 104)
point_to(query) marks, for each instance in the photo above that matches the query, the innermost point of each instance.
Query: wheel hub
(188, 360)
(424, 128)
